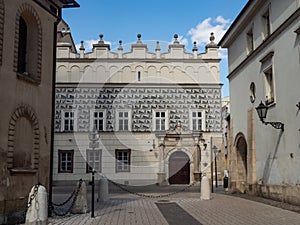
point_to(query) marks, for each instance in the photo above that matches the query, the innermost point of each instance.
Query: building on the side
(27, 69)
(155, 112)
(263, 55)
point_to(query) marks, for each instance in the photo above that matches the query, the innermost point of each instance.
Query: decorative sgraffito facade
(135, 100)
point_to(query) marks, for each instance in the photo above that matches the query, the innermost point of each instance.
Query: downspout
(53, 109)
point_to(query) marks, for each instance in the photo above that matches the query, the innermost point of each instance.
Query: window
(123, 160)
(65, 161)
(93, 160)
(197, 120)
(160, 120)
(266, 24)
(250, 44)
(28, 45)
(22, 47)
(68, 121)
(139, 76)
(123, 120)
(98, 120)
(269, 85)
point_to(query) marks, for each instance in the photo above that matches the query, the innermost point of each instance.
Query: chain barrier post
(103, 189)
(80, 204)
(37, 207)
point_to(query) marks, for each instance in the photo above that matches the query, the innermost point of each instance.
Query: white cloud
(223, 53)
(88, 44)
(201, 32)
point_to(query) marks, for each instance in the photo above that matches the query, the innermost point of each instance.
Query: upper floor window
(65, 161)
(22, 47)
(269, 85)
(98, 120)
(68, 121)
(93, 160)
(266, 24)
(160, 120)
(197, 121)
(139, 75)
(28, 45)
(123, 160)
(250, 41)
(267, 67)
(123, 120)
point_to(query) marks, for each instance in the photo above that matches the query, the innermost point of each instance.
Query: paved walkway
(126, 209)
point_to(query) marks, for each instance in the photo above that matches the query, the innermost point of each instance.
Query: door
(179, 168)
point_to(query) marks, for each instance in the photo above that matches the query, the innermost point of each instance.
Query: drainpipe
(53, 109)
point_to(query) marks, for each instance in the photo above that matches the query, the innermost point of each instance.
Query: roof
(69, 3)
(234, 24)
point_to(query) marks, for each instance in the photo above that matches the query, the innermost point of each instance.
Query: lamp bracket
(276, 125)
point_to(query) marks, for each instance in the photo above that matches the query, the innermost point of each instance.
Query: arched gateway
(179, 168)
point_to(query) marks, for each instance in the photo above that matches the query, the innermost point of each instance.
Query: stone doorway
(241, 164)
(179, 168)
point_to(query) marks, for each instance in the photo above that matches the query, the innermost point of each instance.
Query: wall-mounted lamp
(262, 110)
(298, 105)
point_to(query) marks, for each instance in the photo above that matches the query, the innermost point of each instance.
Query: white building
(263, 54)
(155, 112)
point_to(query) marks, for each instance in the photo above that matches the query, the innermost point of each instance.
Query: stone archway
(240, 162)
(179, 168)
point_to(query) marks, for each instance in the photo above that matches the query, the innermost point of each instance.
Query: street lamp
(94, 138)
(262, 111)
(216, 150)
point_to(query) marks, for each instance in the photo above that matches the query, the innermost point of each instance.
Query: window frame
(92, 119)
(63, 120)
(250, 41)
(191, 119)
(60, 152)
(154, 119)
(88, 167)
(266, 23)
(122, 170)
(269, 85)
(117, 122)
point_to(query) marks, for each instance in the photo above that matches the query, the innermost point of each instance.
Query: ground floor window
(65, 161)
(123, 160)
(93, 160)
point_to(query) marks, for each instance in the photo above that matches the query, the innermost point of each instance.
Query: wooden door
(179, 168)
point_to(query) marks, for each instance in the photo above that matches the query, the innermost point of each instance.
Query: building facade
(154, 111)
(27, 36)
(263, 53)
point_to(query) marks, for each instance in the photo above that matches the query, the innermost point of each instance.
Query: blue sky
(157, 20)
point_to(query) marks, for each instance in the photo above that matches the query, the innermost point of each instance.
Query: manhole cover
(163, 200)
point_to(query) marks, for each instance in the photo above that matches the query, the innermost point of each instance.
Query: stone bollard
(205, 188)
(37, 212)
(80, 205)
(103, 190)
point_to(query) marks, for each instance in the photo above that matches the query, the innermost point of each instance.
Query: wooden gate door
(179, 168)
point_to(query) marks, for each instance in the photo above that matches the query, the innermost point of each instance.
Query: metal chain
(122, 187)
(33, 195)
(75, 194)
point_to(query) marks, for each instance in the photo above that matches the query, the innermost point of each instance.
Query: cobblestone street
(123, 208)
